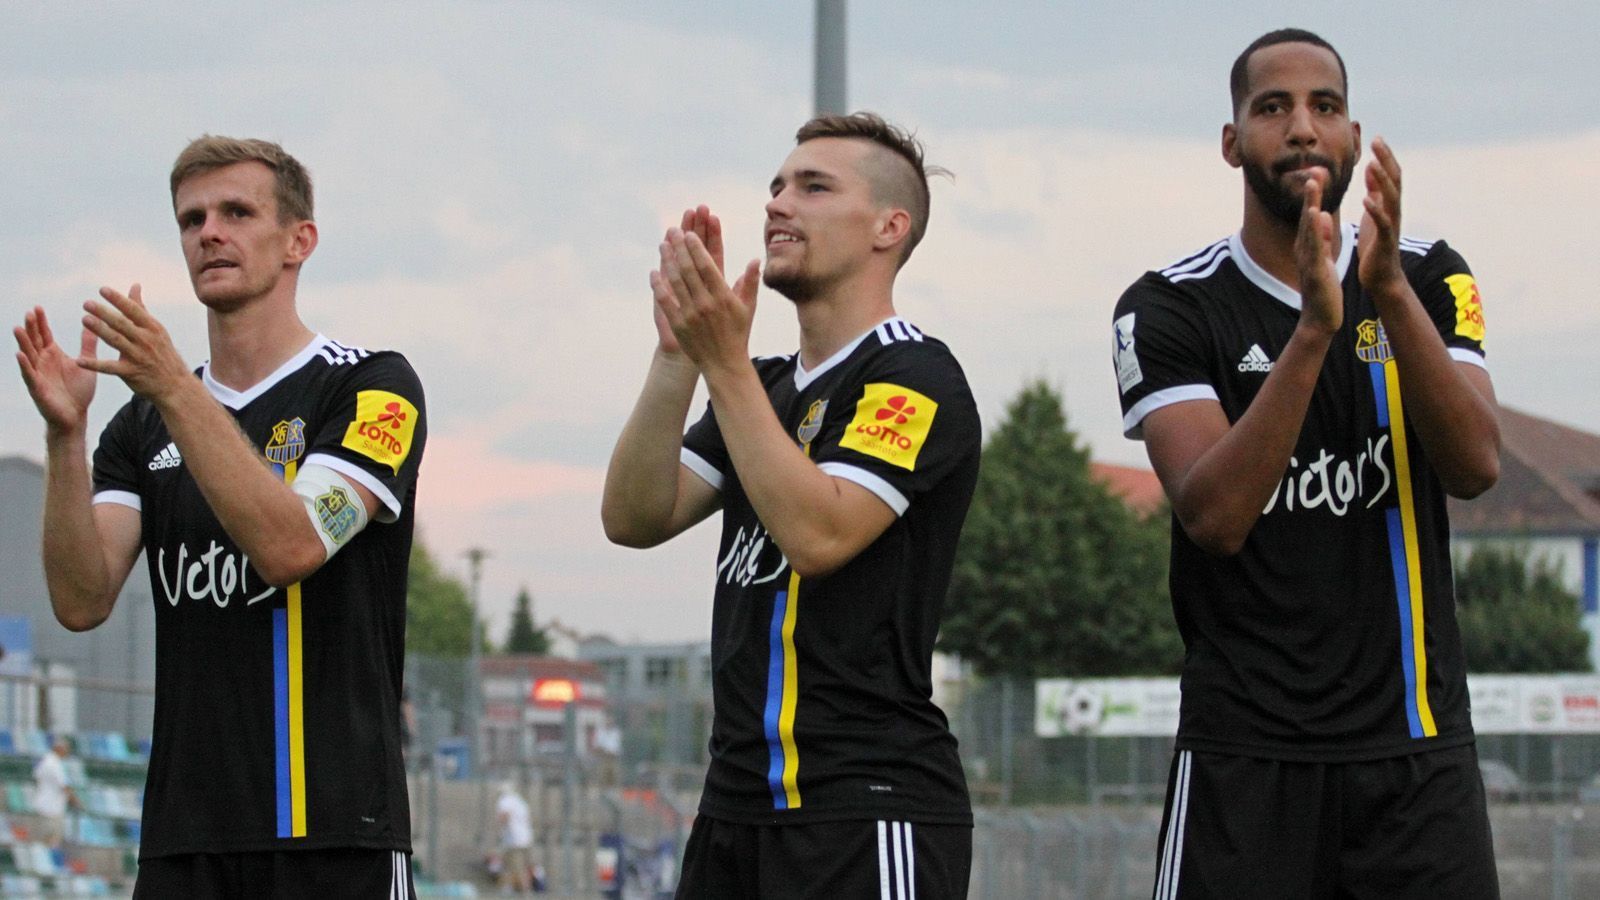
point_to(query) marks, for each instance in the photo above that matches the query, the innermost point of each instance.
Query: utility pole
(475, 755)
(830, 70)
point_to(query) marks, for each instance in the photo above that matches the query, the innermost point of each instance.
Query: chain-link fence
(1064, 817)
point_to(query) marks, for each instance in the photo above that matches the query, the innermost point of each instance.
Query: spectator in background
(516, 840)
(53, 796)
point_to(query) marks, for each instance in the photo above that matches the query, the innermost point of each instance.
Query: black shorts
(856, 859)
(1407, 826)
(278, 875)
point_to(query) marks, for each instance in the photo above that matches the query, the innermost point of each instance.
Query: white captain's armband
(337, 513)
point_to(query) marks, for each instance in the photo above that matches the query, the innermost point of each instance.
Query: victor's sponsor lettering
(891, 423)
(214, 575)
(1334, 483)
(384, 426)
(742, 563)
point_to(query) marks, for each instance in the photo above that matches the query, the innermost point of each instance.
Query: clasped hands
(697, 313)
(1378, 247)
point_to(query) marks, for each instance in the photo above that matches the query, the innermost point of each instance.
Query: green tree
(438, 610)
(1054, 575)
(1517, 616)
(523, 636)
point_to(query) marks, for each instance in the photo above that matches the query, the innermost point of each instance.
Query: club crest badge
(811, 425)
(1372, 342)
(288, 441)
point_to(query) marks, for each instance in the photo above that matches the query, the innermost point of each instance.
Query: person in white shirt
(516, 839)
(52, 794)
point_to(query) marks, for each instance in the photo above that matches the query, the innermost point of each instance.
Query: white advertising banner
(1148, 707)
(1535, 704)
(1123, 707)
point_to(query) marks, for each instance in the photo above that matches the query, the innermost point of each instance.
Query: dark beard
(798, 288)
(1282, 204)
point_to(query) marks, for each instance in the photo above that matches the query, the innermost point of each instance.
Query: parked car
(1500, 781)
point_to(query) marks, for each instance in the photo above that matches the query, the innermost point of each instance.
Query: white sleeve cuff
(697, 464)
(1469, 356)
(121, 498)
(391, 504)
(1133, 422)
(885, 491)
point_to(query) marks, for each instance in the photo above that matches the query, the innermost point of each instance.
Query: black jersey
(822, 686)
(277, 711)
(1332, 635)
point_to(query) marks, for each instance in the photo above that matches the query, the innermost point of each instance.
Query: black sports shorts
(278, 875)
(855, 859)
(1406, 826)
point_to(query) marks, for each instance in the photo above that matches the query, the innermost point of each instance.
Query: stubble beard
(796, 286)
(1282, 203)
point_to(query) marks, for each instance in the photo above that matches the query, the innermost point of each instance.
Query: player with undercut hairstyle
(1309, 393)
(843, 473)
(272, 492)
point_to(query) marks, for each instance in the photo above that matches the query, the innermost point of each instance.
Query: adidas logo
(1255, 360)
(168, 458)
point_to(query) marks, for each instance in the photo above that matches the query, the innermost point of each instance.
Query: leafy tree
(523, 637)
(1055, 576)
(1516, 616)
(438, 609)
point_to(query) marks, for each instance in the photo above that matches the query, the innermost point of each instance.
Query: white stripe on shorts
(1172, 849)
(400, 888)
(897, 861)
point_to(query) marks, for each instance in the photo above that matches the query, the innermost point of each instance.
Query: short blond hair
(292, 187)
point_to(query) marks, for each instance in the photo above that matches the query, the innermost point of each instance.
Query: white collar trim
(803, 378)
(233, 399)
(1265, 280)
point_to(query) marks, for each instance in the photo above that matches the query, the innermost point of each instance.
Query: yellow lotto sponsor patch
(891, 423)
(384, 426)
(1469, 307)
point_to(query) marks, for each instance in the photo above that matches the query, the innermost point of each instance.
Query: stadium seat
(20, 886)
(17, 797)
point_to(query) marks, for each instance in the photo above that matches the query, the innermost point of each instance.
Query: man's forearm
(799, 504)
(1220, 497)
(75, 569)
(258, 510)
(641, 490)
(1456, 422)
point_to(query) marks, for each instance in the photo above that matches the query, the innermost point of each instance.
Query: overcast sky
(492, 180)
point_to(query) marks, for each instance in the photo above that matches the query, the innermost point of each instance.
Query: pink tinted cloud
(463, 475)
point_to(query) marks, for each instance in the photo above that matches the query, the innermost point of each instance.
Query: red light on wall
(555, 690)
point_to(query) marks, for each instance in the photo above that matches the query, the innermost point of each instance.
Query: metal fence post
(569, 777)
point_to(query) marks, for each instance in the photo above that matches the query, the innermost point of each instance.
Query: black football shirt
(1332, 635)
(277, 710)
(822, 686)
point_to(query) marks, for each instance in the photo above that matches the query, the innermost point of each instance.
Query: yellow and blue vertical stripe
(288, 706)
(1404, 553)
(783, 694)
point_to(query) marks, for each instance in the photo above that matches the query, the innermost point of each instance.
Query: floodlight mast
(829, 93)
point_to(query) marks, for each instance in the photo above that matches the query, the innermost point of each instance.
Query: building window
(661, 671)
